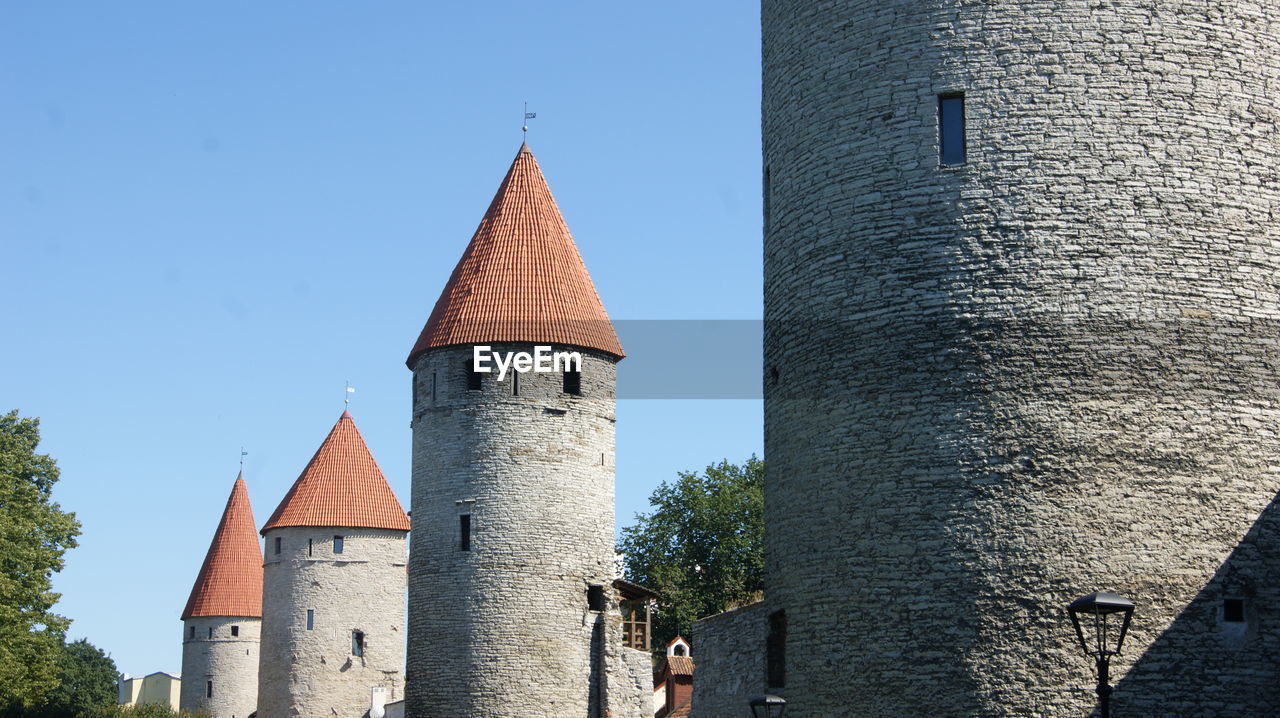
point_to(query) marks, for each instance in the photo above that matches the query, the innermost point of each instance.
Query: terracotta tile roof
(342, 486)
(679, 665)
(521, 278)
(682, 710)
(230, 580)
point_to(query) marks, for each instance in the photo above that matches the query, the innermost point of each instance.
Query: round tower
(223, 618)
(333, 587)
(512, 611)
(1022, 276)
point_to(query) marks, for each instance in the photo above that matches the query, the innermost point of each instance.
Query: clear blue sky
(212, 216)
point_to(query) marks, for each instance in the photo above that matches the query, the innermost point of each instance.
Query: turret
(333, 586)
(511, 603)
(223, 616)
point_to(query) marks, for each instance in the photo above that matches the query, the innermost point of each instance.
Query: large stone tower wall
(503, 629)
(993, 387)
(313, 672)
(222, 650)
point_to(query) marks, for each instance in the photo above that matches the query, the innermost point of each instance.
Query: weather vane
(346, 397)
(243, 454)
(527, 116)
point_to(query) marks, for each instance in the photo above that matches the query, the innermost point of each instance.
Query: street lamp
(768, 706)
(1107, 637)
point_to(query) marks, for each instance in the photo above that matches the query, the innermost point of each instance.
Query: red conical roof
(342, 486)
(521, 279)
(230, 581)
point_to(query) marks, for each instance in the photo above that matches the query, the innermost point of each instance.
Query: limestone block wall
(504, 628)
(730, 667)
(312, 671)
(994, 387)
(222, 650)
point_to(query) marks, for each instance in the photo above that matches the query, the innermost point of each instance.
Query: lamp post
(1107, 637)
(768, 706)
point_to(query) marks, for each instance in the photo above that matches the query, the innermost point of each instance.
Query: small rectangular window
(951, 139)
(768, 190)
(311, 619)
(191, 633)
(208, 689)
(595, 598)
(210, 631)
(1233, 610)
(473, 376)
(515, 383)
(337, 544)
(776, 651)
(433, 387)
(309, 547)
(277, 545)
(235, 630)
(413, 383)
(357, 643)
(573, 382)
(464, 532)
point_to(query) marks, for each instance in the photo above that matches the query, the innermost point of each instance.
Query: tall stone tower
(511, 608)
(223, 618)
(333, 586)
(1022, 277)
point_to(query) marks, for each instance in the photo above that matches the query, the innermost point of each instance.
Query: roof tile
(230, 580)
(342, 486)
(521, 278)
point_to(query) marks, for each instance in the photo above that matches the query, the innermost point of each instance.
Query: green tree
(702, 546)
(34, 532)
(86, 680)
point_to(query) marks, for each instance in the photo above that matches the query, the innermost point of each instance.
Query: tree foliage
(34, 532)
(86, 680)
(702, 546)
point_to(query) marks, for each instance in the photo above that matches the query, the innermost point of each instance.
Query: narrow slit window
(208, 689)
(573, 382)
(357, 643)
(473, 376)
(210, 631)
(776, 650)
(464, 532)
(1233, 610)
(433, 387)
(311, 619)
(595, 598)
(951, 140)
(768, 190)
(191, 633)
(277, 545)
(338, 544)
(414, 384)
(310, 548)
(235, 631)
(515, 383)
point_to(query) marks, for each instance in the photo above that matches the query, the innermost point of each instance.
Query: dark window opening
(235, 630)
(951, 140)
(573, 382)
(337, 544)
(277, 545)
(191, 633)
(357, 643)
(595, 598)
(414, 383)
(473, 376)
(311, 619)
(433, 387)
(678, 650)
(776, 650)
(773, 375)
(310, 548)
(208, 689)
(210, 631)
(1233, 610)
(515, 383)
(768, 190)
(464, 532)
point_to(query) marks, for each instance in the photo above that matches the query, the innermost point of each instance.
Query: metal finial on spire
(243, 454)
(527, 116)
(346, 398)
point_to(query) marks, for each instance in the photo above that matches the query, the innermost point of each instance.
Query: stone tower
(223, 618)
(1022, 277)
(511, 607)
(333, 587)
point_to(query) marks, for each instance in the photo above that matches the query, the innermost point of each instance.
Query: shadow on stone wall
(1203, 665)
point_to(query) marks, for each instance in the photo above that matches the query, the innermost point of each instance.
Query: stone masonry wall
(504, 629)
(313, 673)
(729, 661)
(211, 653)
(994, 387)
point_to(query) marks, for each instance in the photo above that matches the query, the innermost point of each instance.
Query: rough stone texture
(995, 387)
(730, 661)
(504, 628)
(231, 662)
(313, 673)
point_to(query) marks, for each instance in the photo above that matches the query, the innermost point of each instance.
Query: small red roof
(521, 278)
(342, 486)
(230, 580)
